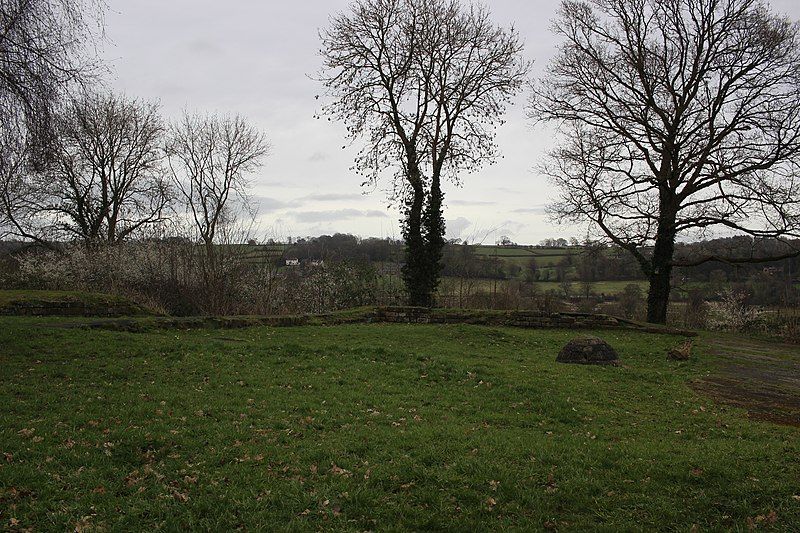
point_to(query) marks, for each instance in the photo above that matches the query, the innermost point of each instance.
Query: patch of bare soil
(760, 376)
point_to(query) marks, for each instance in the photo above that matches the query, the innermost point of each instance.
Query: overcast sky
(257, 58)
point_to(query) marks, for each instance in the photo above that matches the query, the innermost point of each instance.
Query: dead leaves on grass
(551, 486)
(337, 471)
(767, 520)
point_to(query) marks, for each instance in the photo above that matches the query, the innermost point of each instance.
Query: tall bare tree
(45, 46)
(424, 83)
(677, 117)
(45, 49)
(211, 160)
(108, 181)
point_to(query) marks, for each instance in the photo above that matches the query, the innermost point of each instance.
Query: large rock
(588, 351)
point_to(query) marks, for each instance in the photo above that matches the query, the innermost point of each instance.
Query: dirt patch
(759, 376)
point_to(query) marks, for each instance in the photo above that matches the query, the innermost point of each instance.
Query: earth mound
(588, 350)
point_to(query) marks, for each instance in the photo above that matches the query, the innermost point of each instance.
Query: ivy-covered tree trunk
(434, 231)
(415, 268)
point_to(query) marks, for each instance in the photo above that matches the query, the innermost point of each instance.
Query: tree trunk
(434, 227)
(661, 273)
(414, 270)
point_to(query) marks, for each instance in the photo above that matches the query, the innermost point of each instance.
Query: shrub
(696, 312)
(630, 302)
(732, 313)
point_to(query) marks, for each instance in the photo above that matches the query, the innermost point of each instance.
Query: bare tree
(108, 182)
(21, 197)
(678, 116)
(424, 83)
(211, 159)
(43, 50)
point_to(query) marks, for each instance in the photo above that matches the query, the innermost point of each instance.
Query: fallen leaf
(132, 479)
(335, 470)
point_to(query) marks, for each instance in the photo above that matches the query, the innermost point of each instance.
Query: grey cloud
(512, 226)
(204, 47)
(318, 157)
(332, 197)
(336, 215)
(537, 210)
(267, 205)
(278, 184)
(456, 228)
(471, 203)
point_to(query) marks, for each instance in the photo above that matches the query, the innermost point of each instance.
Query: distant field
(374, 427)
(519, 255)
(600, 287)
(522, 255)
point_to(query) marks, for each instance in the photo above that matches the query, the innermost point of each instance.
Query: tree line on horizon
(673, 118)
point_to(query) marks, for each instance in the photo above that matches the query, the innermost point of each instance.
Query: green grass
(372, 427)
(522, 255)
(89, 298)
(46, 302)
(599, 287)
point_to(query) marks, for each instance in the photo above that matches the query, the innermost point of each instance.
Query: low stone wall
(391, 315)
(522, 319)
(66, 308)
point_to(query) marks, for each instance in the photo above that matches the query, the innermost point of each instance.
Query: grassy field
(576, 287)
(522, 255)
(374, 427)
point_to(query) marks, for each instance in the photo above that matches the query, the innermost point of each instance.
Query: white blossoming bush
(179, 278)
(732, 313)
